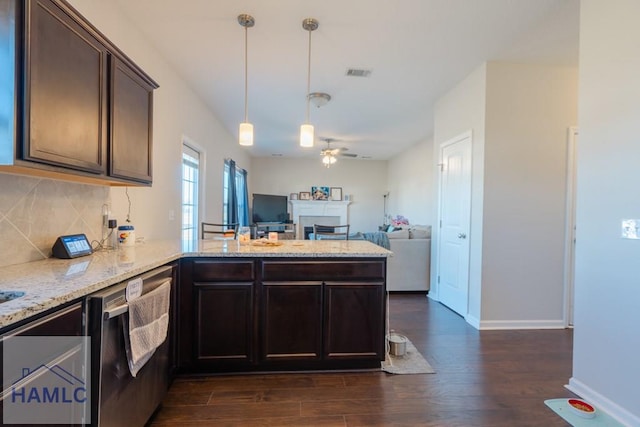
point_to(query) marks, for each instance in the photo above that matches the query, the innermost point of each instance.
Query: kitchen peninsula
(300, 305)
(250, 307)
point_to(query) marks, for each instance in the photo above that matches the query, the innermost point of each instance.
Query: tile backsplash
(35, 211)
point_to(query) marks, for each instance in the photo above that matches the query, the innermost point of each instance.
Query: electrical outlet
(631, 228)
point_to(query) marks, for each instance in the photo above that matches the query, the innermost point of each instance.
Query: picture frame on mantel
(336, 193)
(304, 195)
(320, 193)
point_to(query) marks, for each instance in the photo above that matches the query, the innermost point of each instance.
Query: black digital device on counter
(71, 246)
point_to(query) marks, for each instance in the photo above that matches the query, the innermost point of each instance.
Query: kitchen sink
(6, 296)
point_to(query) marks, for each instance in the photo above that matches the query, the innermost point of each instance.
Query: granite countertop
(53, 282)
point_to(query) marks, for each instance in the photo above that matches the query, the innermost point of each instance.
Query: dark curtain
(243, 215)
(232, 203)
(238, 195)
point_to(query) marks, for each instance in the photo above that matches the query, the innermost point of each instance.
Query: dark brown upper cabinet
(76, 107)
(65, 109)
(131, 123)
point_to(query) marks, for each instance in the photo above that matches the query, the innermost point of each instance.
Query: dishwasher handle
(121, 309)
(115, 312)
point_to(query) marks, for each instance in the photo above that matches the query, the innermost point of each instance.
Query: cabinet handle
(462, 236)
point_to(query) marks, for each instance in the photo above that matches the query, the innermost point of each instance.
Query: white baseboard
(520, 324)
(614, 410)
(472, 320)
(507, 324)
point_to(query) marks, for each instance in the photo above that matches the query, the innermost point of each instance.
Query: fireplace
(308, 230)
(305, 213)
(306, 223)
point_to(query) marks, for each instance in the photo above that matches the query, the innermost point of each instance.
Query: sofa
(409, 268)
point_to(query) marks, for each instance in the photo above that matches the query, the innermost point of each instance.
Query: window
(235, 195)
(190, 187)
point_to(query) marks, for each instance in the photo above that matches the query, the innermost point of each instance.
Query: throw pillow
(420, 232)
(399, 234)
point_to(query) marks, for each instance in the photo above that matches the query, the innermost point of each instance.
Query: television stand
(286, 231)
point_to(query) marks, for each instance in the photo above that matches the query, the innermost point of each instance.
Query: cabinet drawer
(223, 270)
(323, 270)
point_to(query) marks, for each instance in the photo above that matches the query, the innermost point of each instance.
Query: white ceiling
(417, 50)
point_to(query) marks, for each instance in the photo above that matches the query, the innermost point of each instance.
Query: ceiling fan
(330, 154)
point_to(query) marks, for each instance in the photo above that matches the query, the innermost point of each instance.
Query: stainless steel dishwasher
(118, 398)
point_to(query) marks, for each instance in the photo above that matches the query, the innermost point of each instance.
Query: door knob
(462, 236)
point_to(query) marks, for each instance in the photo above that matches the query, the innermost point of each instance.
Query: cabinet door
(65, 107)
(224, 324)
(61, 322)
(354, 320)
(131, 124)
(292, 321)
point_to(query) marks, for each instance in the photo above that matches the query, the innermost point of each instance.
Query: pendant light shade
(306, 130)
(306, 135)
(245, 133)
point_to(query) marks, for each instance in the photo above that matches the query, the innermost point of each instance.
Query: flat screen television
(269, 208)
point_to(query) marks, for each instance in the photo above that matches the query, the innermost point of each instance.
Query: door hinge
(438, 279)
(441, 166)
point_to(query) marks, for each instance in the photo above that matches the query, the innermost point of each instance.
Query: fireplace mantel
(338, 208)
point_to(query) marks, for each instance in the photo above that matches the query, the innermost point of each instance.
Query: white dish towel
(146, 325)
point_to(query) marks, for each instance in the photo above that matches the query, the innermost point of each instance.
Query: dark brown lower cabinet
(224, 324)
(266, 314)
(353, 327)
(65, 321)
(291, 321)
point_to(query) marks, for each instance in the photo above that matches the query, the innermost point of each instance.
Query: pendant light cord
(309, 75)
(246, 68)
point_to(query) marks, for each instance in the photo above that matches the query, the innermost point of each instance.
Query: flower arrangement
(399, 220)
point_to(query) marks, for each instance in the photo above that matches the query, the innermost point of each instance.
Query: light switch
(631, 228)
(172, 215)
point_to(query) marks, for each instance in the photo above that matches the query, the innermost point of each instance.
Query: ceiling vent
(358, 72)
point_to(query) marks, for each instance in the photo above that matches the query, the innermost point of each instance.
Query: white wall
(519, 115)
(178, 111)
(411, 184)
(460, 110)
(528, 111)
(607, 291)
(366, 181)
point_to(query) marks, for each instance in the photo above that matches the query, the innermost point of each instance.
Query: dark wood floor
(489, 378)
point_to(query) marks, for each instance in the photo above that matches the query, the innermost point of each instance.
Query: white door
(455, 219)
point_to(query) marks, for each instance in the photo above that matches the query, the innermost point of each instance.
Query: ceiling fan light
(306, 135)
(246, 134)
(328, 159)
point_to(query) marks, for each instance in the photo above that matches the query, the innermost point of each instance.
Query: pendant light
(245, 134)
(306, 130)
